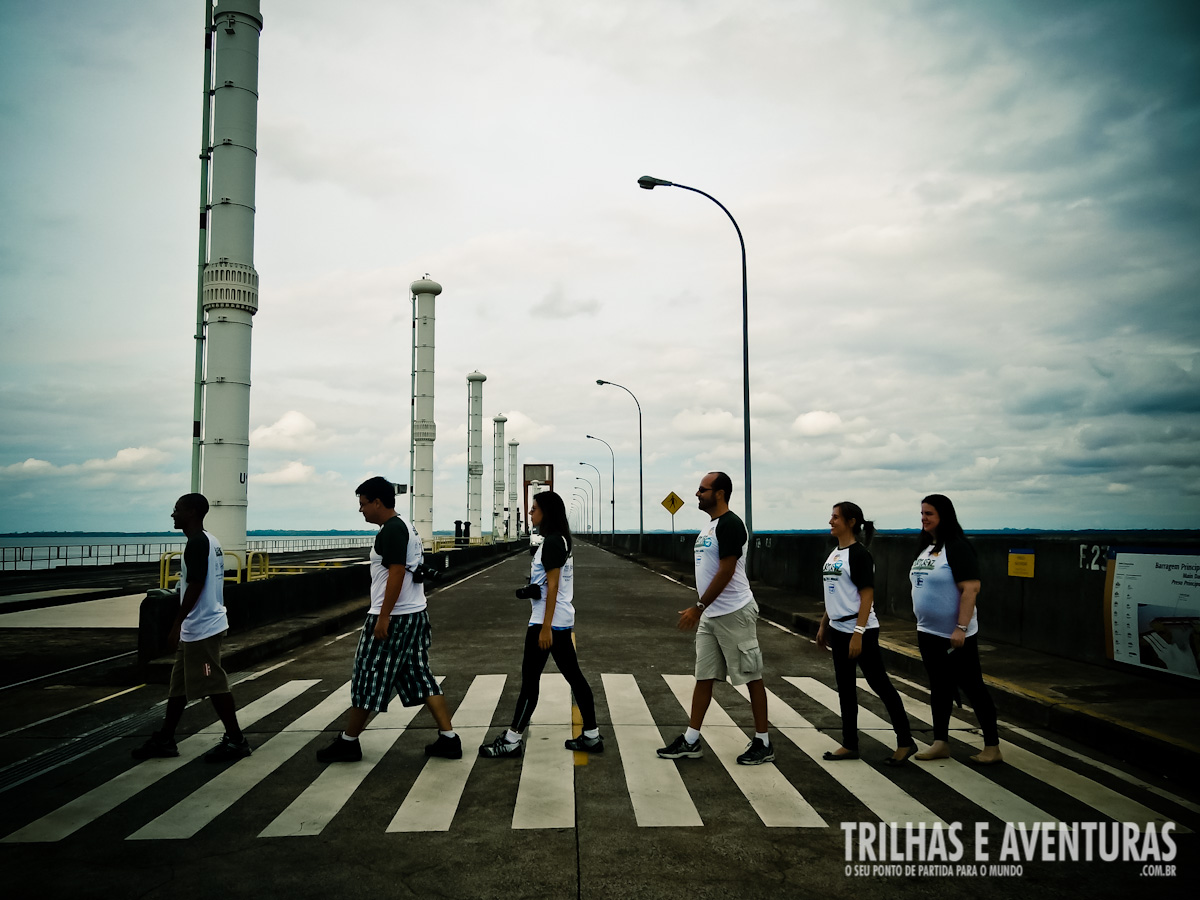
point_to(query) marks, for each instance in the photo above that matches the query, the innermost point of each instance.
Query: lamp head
(649, 182)
(601, 381)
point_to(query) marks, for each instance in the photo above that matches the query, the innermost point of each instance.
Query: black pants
(958, 669)
(871, 663)
(563, 651)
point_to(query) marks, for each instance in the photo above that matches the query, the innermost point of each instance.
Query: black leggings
(948, 670)
(563, 651)
(871, 663)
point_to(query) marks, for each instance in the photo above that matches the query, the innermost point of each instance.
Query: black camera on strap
(531, 591)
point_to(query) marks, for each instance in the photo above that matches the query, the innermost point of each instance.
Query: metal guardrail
(52, 556)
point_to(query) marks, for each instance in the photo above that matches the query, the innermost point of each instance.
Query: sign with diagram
(1154, 602)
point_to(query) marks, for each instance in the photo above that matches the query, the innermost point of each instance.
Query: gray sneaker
(228, 750)
(501, 748)
(756, 754)
(680, 748)
(585, 744)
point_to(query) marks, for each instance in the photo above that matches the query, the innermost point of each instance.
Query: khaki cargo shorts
(727, 646)
(197, 671)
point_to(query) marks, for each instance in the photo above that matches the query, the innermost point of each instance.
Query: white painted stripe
(1099, 797)
(326, 712)
(874, 790)
(260, 673)
(973, 785)
(777, 803)
(546, 796)
(324, 798)
(1075, 754)
(431, 803)
(103, 798)
(656, 789)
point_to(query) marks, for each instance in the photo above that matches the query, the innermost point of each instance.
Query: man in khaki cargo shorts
(726, 621)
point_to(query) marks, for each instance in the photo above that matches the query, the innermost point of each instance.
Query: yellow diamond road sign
(672, 502)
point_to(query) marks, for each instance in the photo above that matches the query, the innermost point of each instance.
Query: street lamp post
(649, 183)
(591, 499)
(584, 501)
(641, 499)
(613, 499)
(599, 498)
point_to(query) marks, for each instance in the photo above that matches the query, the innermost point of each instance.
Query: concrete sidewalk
(1145, 719)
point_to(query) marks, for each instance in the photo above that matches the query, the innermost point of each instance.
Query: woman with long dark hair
(850, 629)
(550, 632)
(945, 585)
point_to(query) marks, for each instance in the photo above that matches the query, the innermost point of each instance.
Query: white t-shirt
(935, 595)
(724, 536)
(397, 544)
(208, 616)
(551, 554)
(847, 571)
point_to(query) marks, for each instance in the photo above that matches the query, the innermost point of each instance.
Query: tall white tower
(475, 452)
(498, 477)
(229, 281)
(514, 524)
(424, 432)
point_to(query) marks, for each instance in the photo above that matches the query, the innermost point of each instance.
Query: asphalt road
(86, 821)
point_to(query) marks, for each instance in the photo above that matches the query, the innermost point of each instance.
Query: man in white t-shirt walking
(200, 625)
(726, 619)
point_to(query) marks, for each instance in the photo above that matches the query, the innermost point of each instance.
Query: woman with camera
(945, 585)
(850, 629)
(550, 632)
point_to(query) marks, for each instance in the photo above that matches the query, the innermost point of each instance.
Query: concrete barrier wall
(1059, 611)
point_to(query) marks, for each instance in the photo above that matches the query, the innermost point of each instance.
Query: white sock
(449, 734)
(346, 737)
(512, 737)
(764, 738)
(691, 735)
(591, 733)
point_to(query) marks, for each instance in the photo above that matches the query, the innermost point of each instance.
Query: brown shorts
(197, 671)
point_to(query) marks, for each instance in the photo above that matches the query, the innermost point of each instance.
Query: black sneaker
(157, 745)
(756, 754)
(340, 751)
(501, 747)
(445, 747)
(228, 750)
(585, 744)
(680, 748)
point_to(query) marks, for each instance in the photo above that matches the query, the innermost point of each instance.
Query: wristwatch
(860, 629)
(962, 627)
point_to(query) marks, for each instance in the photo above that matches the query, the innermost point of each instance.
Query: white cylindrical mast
(230, 282)
(514, 527)
(498, 477)
(424, 432)
(475, 452)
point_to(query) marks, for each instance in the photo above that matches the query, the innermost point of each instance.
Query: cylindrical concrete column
(230, 282)
(514, 524)
(498, 477)
(424, 431)
(475, 450)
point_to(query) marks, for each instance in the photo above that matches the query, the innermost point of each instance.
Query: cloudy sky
(972, 233)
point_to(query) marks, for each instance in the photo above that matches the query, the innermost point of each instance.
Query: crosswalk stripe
(72, 816)
(309, 813)
(777, 803)
(1101, 798)
(431, 803)
(874, 790)
(655, 786)
(973, 785)
(546, 795)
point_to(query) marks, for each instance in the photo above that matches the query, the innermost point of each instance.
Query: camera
(422, 574)
(531, 591)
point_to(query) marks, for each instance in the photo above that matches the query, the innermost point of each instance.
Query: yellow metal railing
(166, 578)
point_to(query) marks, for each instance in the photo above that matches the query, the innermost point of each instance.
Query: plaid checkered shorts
(398, 665)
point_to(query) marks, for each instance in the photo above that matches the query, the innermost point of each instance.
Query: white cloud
(291, 432)
(293, 472)
(707, 423)
(817, 422)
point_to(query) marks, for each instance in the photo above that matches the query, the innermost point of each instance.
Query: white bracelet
(963, 627)
(860, 629)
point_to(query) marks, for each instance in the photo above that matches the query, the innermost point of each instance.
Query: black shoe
(892, 761)
(228, 750)
(830, 756)
(680, 748)
(756, 754)
(585, 744)
(340, 750)
(445, 747)
(157, 745)
(501, 747)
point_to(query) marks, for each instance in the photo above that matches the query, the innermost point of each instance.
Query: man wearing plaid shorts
(393, 653)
